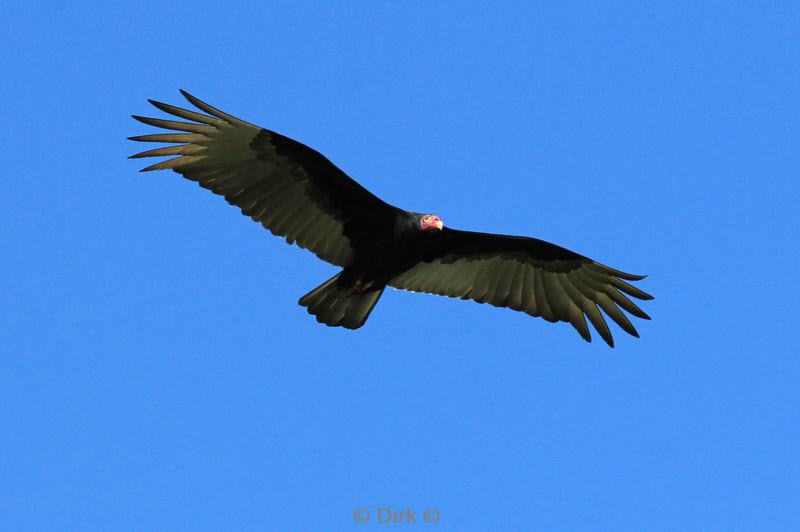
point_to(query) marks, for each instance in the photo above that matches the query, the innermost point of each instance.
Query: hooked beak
(439, 225)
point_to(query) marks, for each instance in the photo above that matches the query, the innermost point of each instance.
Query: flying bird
(298, 194)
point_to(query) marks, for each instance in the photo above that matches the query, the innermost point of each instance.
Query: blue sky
(159, 374)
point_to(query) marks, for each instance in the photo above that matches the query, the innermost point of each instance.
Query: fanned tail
(340, 306)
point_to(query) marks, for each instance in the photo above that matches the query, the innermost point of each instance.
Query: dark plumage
(298, 194)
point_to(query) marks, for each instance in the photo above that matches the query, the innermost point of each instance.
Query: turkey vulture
(298, 194)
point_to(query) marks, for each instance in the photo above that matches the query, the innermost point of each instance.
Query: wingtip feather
(188, 96)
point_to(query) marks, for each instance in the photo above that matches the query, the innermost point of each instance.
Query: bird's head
(430, 222)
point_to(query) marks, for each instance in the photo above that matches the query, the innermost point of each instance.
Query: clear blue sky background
(157, 372)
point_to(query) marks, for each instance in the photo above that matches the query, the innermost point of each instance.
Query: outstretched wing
(525, 274)
(294, 191)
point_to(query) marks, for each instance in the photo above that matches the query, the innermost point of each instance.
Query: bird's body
(298, 194)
